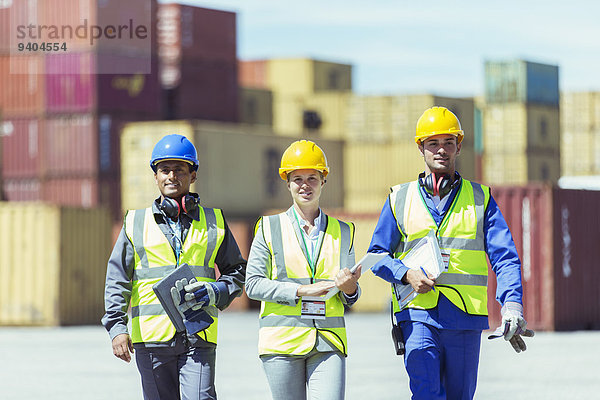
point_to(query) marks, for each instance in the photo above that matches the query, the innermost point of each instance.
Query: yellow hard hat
(438, 121)
(303, 154)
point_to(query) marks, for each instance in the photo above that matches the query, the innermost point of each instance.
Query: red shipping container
(75, 84)
(187, 32)
(76, 192)
(22, 93)
(554, 231)
(82, 145)
(253, 74)
(210, 91)
(21, 190)
(21, 147)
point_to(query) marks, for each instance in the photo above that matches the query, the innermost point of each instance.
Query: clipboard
(163, 291)
(426, 254)
(367, 262)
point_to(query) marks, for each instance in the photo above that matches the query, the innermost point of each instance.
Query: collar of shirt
(438, 209)
(314, 234)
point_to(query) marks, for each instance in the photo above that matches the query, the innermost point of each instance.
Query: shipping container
(303, 76)
(76, 83)
(23, 86)
(21, 152)
(554, 231)
(26, 189)
(332, 108)
(256, 106)
(253, 74)
(370, 119)
(372, 169)
(578, 111)
(127, 27)
(519, 81)
(63, 261)
(238, 166)
(208, 90)
(188, 32)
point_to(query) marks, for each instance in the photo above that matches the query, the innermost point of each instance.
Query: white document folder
(367, 262)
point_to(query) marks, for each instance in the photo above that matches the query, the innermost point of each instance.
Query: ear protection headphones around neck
(172, 209)
(438, 185)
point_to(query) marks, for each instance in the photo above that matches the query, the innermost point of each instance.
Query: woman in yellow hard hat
(296, 266)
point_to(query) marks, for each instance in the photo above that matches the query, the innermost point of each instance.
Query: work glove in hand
(513, 326)
(201, 295)
(195, 320)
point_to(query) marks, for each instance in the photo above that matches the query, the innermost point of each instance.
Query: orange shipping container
(23, 88)
(253, 74)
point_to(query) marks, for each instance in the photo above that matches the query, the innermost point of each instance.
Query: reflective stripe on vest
(460, 233)
(155, 258)
(282, 330)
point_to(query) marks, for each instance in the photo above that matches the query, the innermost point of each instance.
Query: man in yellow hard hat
(441, 321)
(296, 257)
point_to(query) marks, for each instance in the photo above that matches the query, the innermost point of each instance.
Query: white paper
(367, 262)
(425, 254)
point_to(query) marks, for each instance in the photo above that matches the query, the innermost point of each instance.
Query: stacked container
(521, 128)
(198, 63)
(580, 133)
(64, 109)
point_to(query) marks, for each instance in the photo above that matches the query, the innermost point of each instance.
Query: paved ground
(77, 363)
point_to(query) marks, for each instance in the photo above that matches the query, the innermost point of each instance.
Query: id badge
(312, 308)
(445, 258)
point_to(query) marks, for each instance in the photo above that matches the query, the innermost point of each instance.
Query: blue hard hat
(174, 147)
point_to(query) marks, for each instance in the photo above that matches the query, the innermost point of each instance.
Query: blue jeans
(323, 372)
(441, 363)
(179, 372)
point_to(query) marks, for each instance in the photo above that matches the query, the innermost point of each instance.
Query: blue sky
(438, 47)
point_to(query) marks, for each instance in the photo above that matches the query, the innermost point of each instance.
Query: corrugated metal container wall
(371, 169)
(22, 148)
(287, 115)
(242, 233)
(254, 149)
(23, 92)
(85, 237)
(196, 33)
(370, 119)
(376, 293)
(70, 146)
(290, 77)
(554, 231)
(544, 167)
(577, 111)
(543, 129)
(521, 81)
(576, 219)
(75, 245)
(504, 169)
(21, 189)
(505, 128)
(332, 107)
(208, 90)
(256, 106)
(330, 76)
(528, 212)
(73, 85)
(76, 192)
(253, 74)
(406, 111)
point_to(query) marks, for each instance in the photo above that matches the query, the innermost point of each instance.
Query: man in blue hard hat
(175, 230)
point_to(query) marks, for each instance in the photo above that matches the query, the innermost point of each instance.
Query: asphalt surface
(77, 363)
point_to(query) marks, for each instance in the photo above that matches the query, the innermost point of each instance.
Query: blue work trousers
(178, 372)
(441, 363)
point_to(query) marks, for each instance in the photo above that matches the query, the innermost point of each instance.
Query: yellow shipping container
(303, 76)
(52, 264)
(256, 106)
(579, 111)
(370, 119)
(371, 169)
(238, 169)
(578, 153)
(332, 107)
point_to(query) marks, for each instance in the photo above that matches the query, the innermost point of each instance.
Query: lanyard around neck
(302, 233)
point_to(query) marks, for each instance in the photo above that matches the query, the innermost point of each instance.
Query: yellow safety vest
(155, 258)
(282, 330)
(460, 233)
